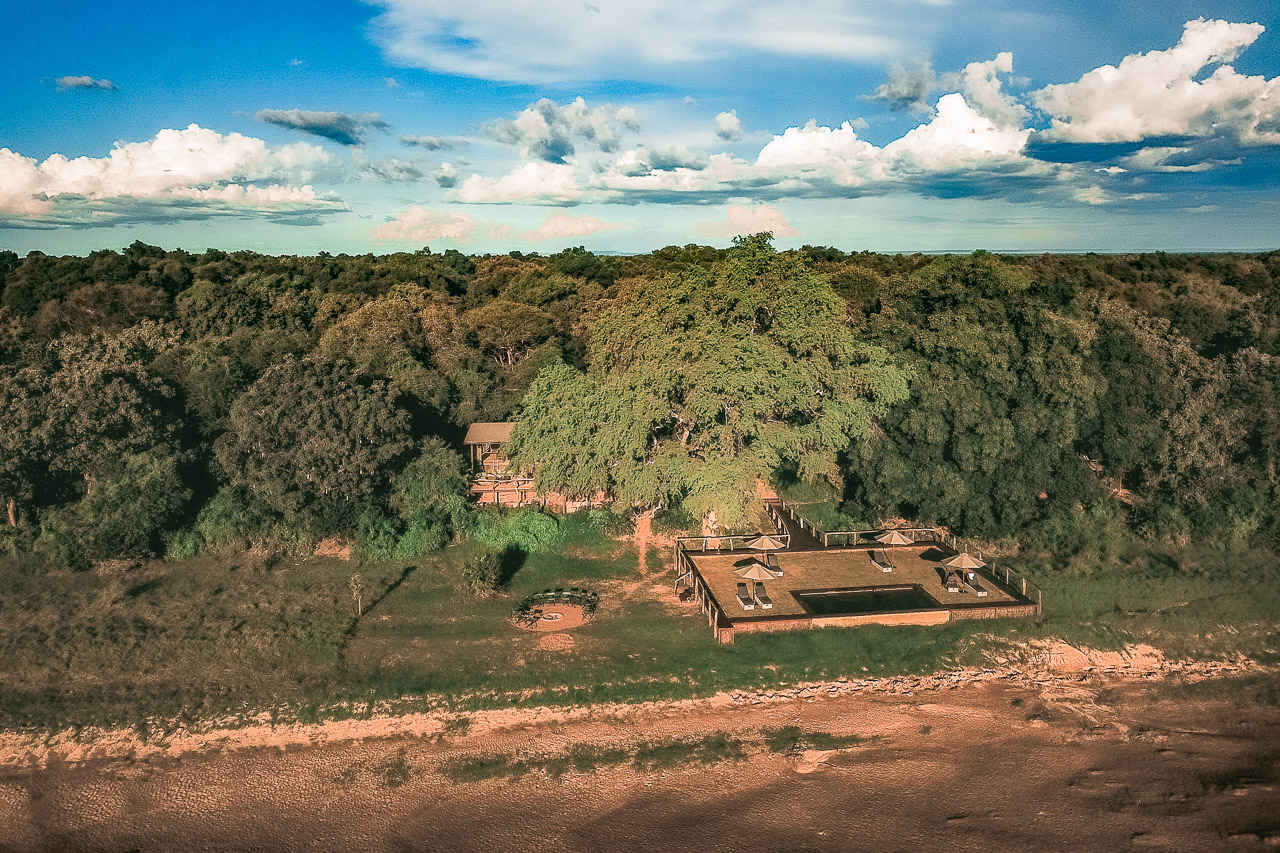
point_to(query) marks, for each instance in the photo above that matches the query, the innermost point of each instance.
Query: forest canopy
(165, 402)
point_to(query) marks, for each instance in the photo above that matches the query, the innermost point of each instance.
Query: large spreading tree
(699, 383)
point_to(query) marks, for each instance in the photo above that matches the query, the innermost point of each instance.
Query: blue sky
(490, 125)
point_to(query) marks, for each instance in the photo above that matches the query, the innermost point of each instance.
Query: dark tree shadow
(510, 561)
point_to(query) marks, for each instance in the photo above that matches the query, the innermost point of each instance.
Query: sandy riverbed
(1070, 756)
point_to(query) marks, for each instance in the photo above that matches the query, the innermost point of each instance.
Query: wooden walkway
(801, 539)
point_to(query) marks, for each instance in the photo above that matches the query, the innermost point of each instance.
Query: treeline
(158, 402)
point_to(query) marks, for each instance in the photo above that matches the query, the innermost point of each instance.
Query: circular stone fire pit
(555, 610)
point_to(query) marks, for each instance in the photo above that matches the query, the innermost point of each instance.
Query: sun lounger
(881, 561)
(951, 582)
(771, 563)
(978, 589)
(766, 603)
(744, 598)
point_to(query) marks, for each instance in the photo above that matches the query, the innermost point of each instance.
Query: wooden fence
(857, 538)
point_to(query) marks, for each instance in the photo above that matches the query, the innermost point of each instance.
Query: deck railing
(1019, 584)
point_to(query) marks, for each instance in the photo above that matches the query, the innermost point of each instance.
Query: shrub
(529, 530)
(183, 545)
(232, 519)
(611, 523)
(425, 533)
(377, 536)
(483, 572)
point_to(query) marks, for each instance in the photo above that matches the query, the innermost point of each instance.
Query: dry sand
(1066, 750)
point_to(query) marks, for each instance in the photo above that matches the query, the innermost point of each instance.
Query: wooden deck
(840, 568)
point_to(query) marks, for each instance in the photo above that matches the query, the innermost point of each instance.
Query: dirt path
(643, 539)
(995, 765)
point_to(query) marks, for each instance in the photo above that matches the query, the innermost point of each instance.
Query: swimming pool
(875, 599)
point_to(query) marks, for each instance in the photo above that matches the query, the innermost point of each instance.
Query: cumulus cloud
(538, 181)
(984, 91)
(446, 176)
(559, 225)
(558, 40)
(957, 136)
(173, 171)
(907, 89)
(431, 143)
(343, 128)
(729, 126)
(838, 151)
(959, 151)
(84, 82)
(546, 130)
(418, 225)
(741, 220)
(644, 161)
(1165, 93)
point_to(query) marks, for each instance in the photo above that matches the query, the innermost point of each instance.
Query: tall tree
(697, 384)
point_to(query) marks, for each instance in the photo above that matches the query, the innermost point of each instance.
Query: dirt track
(1080, 761)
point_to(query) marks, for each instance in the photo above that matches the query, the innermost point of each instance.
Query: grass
(647, 757)
(793, 738)
(1255, 689)
(232, 637)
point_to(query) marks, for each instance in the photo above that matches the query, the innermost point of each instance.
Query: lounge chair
(771, 563)
(951, 582)
(978, 589)
(881, 561)
(766, 603)
(744, 598)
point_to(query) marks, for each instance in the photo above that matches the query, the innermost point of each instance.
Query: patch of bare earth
(337, 547)
(993, 760)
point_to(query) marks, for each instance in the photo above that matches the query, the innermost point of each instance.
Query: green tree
(315, 438)
(698, 384)
(1001, 394)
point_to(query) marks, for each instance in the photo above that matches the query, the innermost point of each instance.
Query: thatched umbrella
(964, 561)
(765, 542)
(894, 537)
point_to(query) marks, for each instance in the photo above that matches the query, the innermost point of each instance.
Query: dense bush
(530, 530)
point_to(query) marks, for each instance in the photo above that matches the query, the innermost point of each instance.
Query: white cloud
(729, 126)
(742, 220)
(956, 137)
(533, 182)
(1158, 93)
(84, 82)
(814, 147)
(984, 91)
(546, 130)
(1173, 158)
(753, 220)
(195, 163)
(559, 224)
(417, 225)
(558, 40)
(814, 160)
